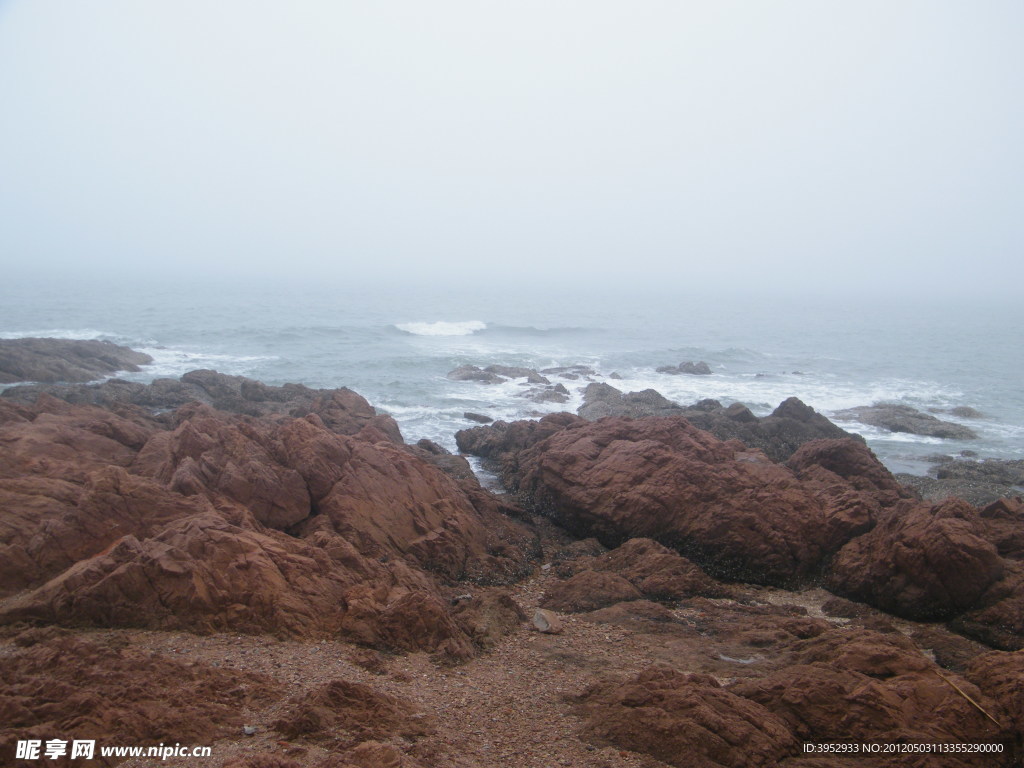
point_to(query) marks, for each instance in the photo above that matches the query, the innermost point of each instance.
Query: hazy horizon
(793, 146)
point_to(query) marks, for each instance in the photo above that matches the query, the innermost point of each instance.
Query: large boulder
(920, 561)
(733, 512)
(859, 686)
(53, 360)
(684, 720)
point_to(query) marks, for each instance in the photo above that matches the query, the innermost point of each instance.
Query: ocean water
(394, 346)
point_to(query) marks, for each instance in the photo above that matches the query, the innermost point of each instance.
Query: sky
(738, 144)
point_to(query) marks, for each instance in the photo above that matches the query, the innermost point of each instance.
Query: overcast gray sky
(812, 143)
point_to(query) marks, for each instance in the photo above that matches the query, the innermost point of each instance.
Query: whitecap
(442, 328)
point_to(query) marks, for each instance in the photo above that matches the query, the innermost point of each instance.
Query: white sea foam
(442, 328)
(73, 334)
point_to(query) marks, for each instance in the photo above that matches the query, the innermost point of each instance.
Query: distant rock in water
(791, 425)
(54, 360)
(700, 368)
(903, 418)
(479, 418)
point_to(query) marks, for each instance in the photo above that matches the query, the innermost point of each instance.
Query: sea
(394, 344)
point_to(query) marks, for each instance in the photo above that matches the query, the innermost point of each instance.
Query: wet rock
(601, 400)
(903, 418)
(340, 410)
(514, 372)
(64, 360)
(779, 434)
(479, 418)
(699, 368)
(473, 373)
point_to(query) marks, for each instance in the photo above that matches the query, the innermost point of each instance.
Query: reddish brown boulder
(850, 460)
(857, 686)
(588, 591)
(68, 688)
(684, 720)
(1000, 676)
(350, 713)
(658, 572)
(922, 562)
(997, 619)
(732, 511)
(1002, 523)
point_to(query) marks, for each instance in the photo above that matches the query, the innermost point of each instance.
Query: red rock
(997, 619)
(211, 452)
(488, 617)
(853, 462)
(1000, 677)
(354, 710)
(588, 591)
(68, 688)
(922, 562)
(208, 574)
(684, 720)
(1003, 524)
(736, 514)
(658, 572)
(856, 686)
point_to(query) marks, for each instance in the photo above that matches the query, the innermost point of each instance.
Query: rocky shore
(274, 572)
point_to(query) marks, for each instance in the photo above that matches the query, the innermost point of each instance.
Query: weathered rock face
(920, 561)
(854, 485)
(788, 427)
(733, 512)
(904, 418)
(112, 521)
(51, 360)
(656, 571)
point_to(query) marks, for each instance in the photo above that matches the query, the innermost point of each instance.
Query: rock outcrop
(179, 523)
(780, 434)
(55, 360)
(732, 511)
(904, 418)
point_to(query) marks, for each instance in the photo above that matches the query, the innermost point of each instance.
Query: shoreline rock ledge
(50, 361)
